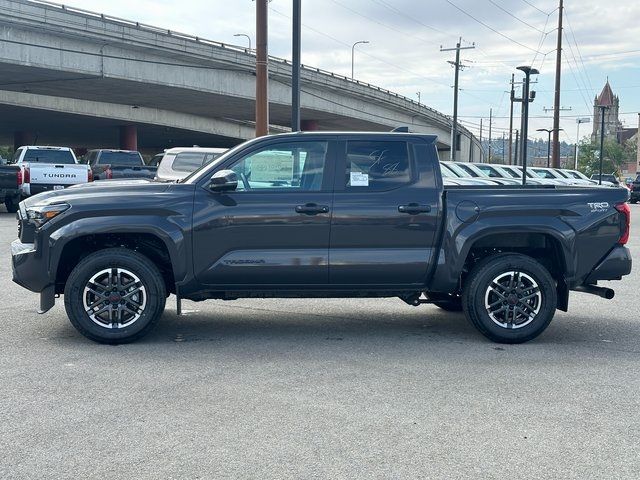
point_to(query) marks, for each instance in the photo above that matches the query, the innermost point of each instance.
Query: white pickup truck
(49, 168)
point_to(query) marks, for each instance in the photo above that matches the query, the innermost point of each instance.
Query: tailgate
(52, 174)
(9, 177)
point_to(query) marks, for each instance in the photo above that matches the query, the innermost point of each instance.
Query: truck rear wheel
(510, 298)
(11, 204)
(114, 296)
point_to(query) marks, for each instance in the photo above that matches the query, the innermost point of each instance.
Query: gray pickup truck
(321, 215)
(118, 164)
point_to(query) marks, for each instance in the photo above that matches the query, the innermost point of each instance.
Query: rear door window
(125, 159)
(190, 161)
(377, 165)
(59, 157)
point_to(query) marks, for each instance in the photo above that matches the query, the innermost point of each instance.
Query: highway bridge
(79, 78)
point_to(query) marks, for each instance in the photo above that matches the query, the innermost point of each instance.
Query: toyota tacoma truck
(320, 215)
(118, 164)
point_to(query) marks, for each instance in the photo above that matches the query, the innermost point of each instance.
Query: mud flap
(563, 295)
(47, 299)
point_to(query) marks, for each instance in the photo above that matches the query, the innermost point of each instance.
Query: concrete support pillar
(22, 138)
(128, 137)
(309, 125)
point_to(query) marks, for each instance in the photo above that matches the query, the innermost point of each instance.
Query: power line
(490, 27)
(401, 13)
(586, 72)
(533, 6)
(374, 20)
(513, 16)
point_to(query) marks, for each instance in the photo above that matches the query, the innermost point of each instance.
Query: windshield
(446, 171)
(576, 174)
(512, 172)
(458, 170)
(571, 174)
(471, 170)
(488, 171)
(543, 173)
(502, 171)
(60, 157)
(126, 159)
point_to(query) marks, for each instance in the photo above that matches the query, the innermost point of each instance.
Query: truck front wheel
(510, 298)
(114, 296)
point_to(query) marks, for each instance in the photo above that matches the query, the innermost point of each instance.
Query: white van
(179, 162)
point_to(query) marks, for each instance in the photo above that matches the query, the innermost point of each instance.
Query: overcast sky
(404, 51)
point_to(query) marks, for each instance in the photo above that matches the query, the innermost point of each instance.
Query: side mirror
(224, 181)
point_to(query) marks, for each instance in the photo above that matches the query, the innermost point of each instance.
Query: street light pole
(295, 66)
(353, 52)
(528, 71)
(602, 109)
(244, 35)
(578, 121)
(549, 131)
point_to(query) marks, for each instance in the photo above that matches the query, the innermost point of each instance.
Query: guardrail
(236, 48)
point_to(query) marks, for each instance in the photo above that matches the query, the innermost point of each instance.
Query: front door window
(297, 166)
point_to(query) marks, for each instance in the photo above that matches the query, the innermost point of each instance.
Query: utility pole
(556, 102)
(638, 146)
(516, 148)
(262, 69)
(512, 97)
(295, 66)
(457, 67)
(490, 121)
(503, 148)
(481, 147)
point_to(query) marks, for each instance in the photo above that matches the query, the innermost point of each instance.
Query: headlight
(41, 214)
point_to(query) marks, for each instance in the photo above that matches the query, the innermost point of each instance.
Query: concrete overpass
(69, 76)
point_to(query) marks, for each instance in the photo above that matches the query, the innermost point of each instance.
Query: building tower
(612, 124)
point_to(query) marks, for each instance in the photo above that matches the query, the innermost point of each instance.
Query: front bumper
(29, 268)
(30, 271)
(613, 267)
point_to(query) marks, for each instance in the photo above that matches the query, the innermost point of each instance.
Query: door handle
(414, 208)
(312, 209)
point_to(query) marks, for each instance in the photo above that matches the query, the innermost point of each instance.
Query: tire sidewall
(117, 258)
(474, 298)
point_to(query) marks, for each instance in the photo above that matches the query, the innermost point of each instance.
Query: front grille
(19, 227)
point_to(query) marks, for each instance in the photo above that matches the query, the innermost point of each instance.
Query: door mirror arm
(223, 181)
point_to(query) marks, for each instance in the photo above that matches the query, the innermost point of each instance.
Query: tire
(136, 312)
(533, 301)
(11, 204)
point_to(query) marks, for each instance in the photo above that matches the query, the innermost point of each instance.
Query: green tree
(615, 156)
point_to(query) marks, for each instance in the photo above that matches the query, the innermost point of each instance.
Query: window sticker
(359, 179)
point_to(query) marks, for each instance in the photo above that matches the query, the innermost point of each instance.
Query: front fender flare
(171, 235)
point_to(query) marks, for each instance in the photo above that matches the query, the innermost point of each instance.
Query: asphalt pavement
(320, 389)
